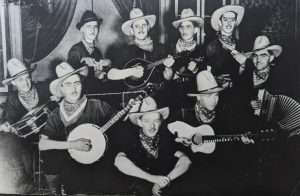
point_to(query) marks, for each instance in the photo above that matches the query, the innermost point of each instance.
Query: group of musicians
(217, 86)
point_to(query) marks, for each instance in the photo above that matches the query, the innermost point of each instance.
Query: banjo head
(93, 133)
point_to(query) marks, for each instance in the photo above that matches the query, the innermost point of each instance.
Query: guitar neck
(225, 138)
(156, 63)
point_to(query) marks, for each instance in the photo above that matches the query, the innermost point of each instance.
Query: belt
(183, 79)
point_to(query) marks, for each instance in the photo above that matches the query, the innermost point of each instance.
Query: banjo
(96, 135)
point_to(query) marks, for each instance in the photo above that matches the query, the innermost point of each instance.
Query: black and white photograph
(150, 97)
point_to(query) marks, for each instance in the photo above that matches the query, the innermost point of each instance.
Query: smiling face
(187, 30)
(227, 23)
(208, 101)
(71, 88)
(22, 83)
(140, 29)
(150, 123)
(261, 59)
(90, 31)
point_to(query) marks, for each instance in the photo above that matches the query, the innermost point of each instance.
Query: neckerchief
(146, 44)
(150, 144)
(227, 40)
(204, 115)
(70, 112)
(183, 45)
(88, 46)
(29, 99)
(259, 77)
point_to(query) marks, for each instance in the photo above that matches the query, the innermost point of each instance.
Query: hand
(247, 140)
(6, 127)
(239, 57)
(55, 99)
(137, 71)
(103, 63)
(184, 141)
(156, 190)
(81, 144)
(135, 105)
(162, 181)
(192, 66)
(169, 61)
(223, 78)
(255, 104)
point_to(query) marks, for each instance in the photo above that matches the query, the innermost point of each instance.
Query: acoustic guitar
(206, 138)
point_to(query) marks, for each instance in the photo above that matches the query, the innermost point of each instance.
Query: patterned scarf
(150, 144)
(204, 115)
(259, 77)
(146, 44)
(88, 46)
(70, 108)
(29, 99)
(183, 45)
(227, 40)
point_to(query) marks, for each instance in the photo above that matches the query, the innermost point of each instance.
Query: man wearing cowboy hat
(150, 153)
(75, 109)
(223, 52)
(85, 52)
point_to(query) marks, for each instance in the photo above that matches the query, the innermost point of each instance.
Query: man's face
(150, 123)
(187, 30)
(140, 29)
(227, 22)
(261, 59)
(71, 88)
(90, 31)
(208, 101)
(22, 83)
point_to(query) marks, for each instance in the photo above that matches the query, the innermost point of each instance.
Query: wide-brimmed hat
(148, 106)
(263, 43)
(206, 83)
(17, 68)
(188, 15)
(63, 71)
(239, 10)
(137, 14)
(88, 16)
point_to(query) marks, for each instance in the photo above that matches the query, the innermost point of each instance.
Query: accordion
(268, 102)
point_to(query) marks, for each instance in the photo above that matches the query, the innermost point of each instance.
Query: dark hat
(88, 16)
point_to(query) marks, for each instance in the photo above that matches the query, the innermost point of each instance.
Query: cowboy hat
(16, 68)
(206, 83)
(148, 106)
(239, 10)
(88, 16)
(188, 15)
(63, 71)
(263, 43)
(137, 14)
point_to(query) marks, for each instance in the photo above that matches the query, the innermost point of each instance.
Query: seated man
(151, 154)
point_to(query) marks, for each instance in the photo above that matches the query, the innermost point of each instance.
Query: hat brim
(276, 49)
(213, 90)
(7, 81)
(126, 26)
(80, 24)
(239, 10)
(135, 116)
(196, 19)
(56, 84)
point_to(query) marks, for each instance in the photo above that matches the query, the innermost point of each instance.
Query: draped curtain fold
(51, 28)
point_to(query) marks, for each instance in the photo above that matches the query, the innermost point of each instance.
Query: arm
(168, 73)
(181, 166)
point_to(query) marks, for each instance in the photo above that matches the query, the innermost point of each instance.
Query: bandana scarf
(146, 44)
(259, 77)
(204, 115)
(227, 40)
(150, 144)
(183, 45)
(29, 99)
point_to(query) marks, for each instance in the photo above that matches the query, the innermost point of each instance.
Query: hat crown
(185, 13)
(261, 42)
(148, 104)
(205, 81)
(136, 13)
(63, 69)
(88, 16)
(15, 66)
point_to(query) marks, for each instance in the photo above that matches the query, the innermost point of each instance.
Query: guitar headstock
(150, 88)
(268, 135)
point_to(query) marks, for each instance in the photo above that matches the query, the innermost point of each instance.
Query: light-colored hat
(188, 15)
(263, 43)
(137, 14)
(148, 106)
(16, 68)
(63, 71)
(239, 10)
(206, 83)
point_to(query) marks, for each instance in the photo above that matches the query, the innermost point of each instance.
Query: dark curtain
(52, 22)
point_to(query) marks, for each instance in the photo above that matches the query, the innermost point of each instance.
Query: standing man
(151, 156)
(85, 52)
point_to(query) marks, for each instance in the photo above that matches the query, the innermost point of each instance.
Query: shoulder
(76, 46)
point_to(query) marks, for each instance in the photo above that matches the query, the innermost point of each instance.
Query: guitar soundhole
(197, 139)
